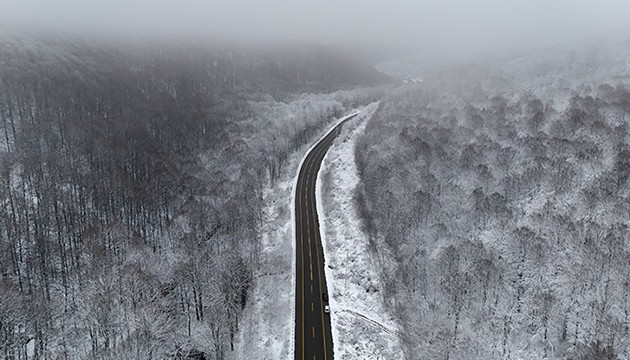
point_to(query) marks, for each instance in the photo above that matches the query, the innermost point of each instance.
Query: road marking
(313, 212)
(312, 162)
(302, 256)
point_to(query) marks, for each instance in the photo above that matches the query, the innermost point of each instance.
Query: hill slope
(131, 187)
(502, 191)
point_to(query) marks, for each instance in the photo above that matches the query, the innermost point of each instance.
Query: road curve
(313, 338)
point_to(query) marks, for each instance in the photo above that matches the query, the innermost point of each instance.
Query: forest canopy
(498, 193)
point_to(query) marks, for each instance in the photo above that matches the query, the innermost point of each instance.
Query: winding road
(313, 338)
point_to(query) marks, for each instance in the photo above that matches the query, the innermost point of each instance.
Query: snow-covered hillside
(502, 193)
(134, 185)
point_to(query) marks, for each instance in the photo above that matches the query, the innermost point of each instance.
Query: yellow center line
(312, 213)
(309, 179)
(305, 181)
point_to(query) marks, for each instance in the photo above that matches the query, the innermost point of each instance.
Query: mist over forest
(475, 200)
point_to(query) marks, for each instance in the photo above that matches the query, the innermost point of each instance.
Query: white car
(327, 309)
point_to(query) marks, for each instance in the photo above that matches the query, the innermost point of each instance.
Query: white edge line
(293, 218)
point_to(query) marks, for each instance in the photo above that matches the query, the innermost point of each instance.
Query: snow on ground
(268, 322)
(361, 325)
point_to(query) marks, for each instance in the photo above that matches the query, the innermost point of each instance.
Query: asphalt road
(313, 339)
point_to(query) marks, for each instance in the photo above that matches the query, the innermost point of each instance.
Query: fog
(441, 27)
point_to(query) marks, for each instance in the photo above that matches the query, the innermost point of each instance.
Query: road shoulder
(361, 325)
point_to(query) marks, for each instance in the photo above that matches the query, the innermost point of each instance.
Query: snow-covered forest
(358, 179)
(501, 192)
(131, 187)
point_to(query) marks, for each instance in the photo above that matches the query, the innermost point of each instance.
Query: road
(313, 339)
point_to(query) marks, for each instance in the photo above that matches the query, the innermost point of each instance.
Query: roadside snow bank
(361, 324)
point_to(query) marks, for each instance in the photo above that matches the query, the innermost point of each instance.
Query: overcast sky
(456, 26)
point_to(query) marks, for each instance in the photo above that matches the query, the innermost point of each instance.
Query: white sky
(448, 26)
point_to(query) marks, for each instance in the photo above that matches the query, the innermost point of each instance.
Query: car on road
(327, 309)
(325, 297)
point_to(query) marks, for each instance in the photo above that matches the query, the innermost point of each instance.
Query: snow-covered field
(361, 324)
